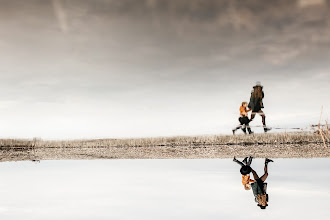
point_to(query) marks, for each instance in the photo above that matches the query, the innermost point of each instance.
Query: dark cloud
(275, 31)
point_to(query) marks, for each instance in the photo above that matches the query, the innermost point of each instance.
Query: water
(161, 189)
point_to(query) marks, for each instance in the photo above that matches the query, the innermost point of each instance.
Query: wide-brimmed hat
(258, 84)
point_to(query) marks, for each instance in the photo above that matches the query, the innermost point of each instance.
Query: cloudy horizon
(109, 68)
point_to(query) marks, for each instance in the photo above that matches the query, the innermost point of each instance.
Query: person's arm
(250, 105)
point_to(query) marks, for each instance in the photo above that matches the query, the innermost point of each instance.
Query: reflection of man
(259, 187)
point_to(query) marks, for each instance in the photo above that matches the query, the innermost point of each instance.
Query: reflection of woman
(259, 187)
(256, 104)
(245, 171)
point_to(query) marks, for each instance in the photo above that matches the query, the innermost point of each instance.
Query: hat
(245, 170)
(262, 207)
(258, 84)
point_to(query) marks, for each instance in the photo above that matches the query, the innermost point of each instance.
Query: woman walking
(256, 104)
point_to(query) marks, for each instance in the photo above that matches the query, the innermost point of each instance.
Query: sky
(161, 189)
(72, 69)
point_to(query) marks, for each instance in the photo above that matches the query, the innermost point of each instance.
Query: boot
(238, 127)
(268, 160)
(249, 130)
(266, 129)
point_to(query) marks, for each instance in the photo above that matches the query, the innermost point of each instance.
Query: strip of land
(280, 145)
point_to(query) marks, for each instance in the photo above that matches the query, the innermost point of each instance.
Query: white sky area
(161, 189)
(109, 69)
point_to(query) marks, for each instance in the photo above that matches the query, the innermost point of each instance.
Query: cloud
(309, 3)
(60, 15)
(172, 57)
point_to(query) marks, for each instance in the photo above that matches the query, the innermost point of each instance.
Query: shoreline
(278, 145)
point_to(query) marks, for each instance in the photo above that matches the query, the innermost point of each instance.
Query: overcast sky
(139, 68)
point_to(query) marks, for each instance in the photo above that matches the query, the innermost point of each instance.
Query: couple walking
(255, 105)
(258, 185)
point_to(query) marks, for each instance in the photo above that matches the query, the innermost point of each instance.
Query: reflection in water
(18, 153)
(159, 189)
(259, 186)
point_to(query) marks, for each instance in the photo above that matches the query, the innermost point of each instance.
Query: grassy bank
(304, 144)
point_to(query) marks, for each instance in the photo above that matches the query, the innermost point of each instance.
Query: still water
(161, 189)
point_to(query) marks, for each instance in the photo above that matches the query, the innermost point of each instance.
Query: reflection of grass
(257, 139)
(279, 145)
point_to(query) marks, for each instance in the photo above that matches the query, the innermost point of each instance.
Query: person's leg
(250, 161)
(237, 127)
(239, 162)
(255, 175)
(243, 128)
(263, 116)
(246, 122)
(264, 177)
(253, 114)
(263, 119)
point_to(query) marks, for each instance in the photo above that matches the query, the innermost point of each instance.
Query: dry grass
(303, 144)
(323, 130)
(256, 139)
(279, 138)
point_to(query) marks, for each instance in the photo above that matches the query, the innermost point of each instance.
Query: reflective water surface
(161, 189)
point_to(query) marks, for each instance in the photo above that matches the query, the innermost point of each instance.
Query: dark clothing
(246, 162)
(244, 120)
(239, 162)
(259, 187)
(245, 165)
(256, 104)
(263, 116)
